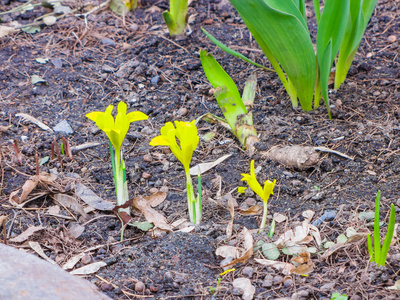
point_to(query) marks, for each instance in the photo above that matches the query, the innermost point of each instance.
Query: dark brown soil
(163, 78)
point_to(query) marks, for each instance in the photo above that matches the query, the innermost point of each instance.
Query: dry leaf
(150, 214)
(156, 199)
(395, 287)
(89, 269)
(304, 264)
(31, 119)
(245, 285)
(232, 251)
(297, 156)
(308, 214)
(279, 218)
(75, 229)
(73, 261)
(85, 146)
(204, 167)
(253, 210)
(229, 228)
(283, 267)
(248, 246)
(38, 249)
(71, 203)
(90, 198)
(26, 234)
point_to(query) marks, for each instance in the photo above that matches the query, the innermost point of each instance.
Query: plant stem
(264, 219)
(194, 212)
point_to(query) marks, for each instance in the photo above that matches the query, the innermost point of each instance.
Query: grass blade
(377, 237)
(389, 236)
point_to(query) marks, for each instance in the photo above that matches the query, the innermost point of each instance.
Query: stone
(392, 38)
(63, 127)
(140, 287)
(248, 271)
(155, 79)
(108, 42)
(25, 276)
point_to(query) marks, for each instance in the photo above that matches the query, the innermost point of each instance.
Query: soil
(103, 58)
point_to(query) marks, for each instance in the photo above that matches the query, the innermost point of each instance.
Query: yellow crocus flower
(117, 129)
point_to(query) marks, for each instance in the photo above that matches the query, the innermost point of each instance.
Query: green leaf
(226, 93)
(119, 7)
(377, 238)
(337, 296)
(341, 239)
(176, 18)
(249, 91)
(283, 37)
(272, 229)
(144, 226)
(389, 236)
(31, 29)
(270, 251)
(331, 30)
(231, 51)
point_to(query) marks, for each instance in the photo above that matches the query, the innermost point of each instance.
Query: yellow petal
(159, 141)
(94, 115)
(136, 116)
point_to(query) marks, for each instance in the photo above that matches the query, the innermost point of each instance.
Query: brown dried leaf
(89, 269)
(73, 261)
(296, 156)
(283, 267)
(38, 249)
(229, 228)
(27, 188)
(253, 210)
(305, 263)
(26, 234)
(156, 199)
(71, 203)
(247, 244)
(150, 214)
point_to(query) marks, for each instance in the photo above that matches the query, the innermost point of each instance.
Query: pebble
(146, 175)
(250, 201)
(153, 190)
(248, 271)
(301, 294)
(24, 138)
(155, 79)
(146, 130)
(86, 259)
(288, 283)
(182, 111)
(326, 216)
(392, 38)
(134, 27)
(278, 279)
(63, 127)
(237, 292)
(267, 283)
(147, 158)
(369, 55)
(108, 42)
(164, 189)
(140, 287)
(107, 69)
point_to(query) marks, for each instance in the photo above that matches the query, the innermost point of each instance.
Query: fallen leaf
(5, 30)
(247, 238)
(35, 79)
(31, 119)
(270, 251)
(395, 287)
(90, 198)
(232, 251)
(71, 203)
(304, 264)
(31, 29)
(297, 156)
(73, 261)
(308, 214)
(150, 214)
(75, 229)
(245, 285)
(156, 199)
(279, 218)
(143, 226)
(204, 167)
(26, 234)
(41, 60)
(229, 228)
(253, 210)
(89, 269)
(27, 188)
(38, 249)
(283, 267)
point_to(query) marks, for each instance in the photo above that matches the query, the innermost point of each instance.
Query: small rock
(107, 69)
(248, 271)
(24, 138)
(369, 55)
(250, 201)
(155, 79)
(278, 279)
(134, 27)
(164, 189)
(153, 289)
(147, 158)
(140, 287)
(57, 62)
(267, 283)
(391, 38)
(86, 259)
(288, 282)
(146, 130)
(106, 287)
(63, 127)
(301, 294)
(108, 42)
(237, 292)
(327, 287)
(146, 175)
(182, 111)
(153, 190)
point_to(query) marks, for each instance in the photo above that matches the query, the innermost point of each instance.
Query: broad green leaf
(31, 29)
(389, 236)
(144, 226)
(232, 52)
(317, 10)
(270, 251)
(226, 93)
(280, 29)
(331, 30)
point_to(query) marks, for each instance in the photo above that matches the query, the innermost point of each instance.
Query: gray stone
(248, 271)
(63, 127)
(25, 276)
(108, 42)
(155, 79)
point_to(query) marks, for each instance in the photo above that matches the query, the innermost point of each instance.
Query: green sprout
(176, 18)
(280, 29)
(116, 131)
(263, 193)
(233, 106)
(188, 137)
(338, 296)
(378, 254)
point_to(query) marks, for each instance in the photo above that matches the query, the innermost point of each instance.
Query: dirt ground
(102, 58)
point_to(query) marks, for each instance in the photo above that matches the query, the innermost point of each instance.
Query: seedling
(116, 131)
(338, 296)
(176, 17)
(187, 135)
(232, 105)
(263, 193)
(378, 254)
(280, 28)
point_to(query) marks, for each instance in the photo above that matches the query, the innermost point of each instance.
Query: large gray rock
(25, 276)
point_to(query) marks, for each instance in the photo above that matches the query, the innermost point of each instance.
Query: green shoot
(176, 18)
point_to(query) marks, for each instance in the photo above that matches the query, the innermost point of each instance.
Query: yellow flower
(117, 129)
(186, 133)
(251, 180)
